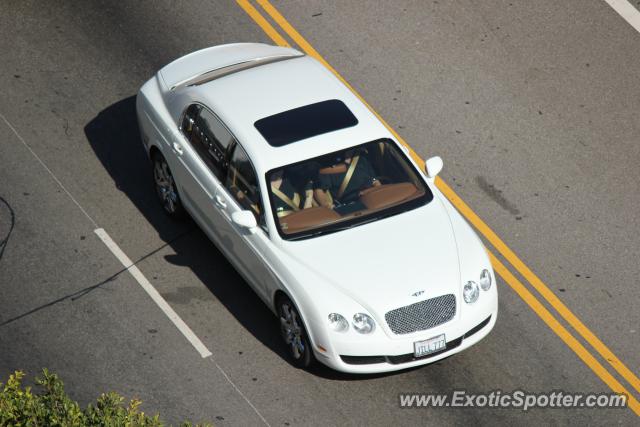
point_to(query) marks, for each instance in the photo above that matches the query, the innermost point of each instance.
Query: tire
(294, 334)
(166, 189)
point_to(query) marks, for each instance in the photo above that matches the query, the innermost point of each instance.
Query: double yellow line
(533, 302)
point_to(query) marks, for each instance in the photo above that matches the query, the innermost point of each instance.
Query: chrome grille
(422, 315)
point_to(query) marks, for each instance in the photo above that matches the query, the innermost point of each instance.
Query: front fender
(313, 296)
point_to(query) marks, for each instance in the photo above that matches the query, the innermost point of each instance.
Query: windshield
(344, 189)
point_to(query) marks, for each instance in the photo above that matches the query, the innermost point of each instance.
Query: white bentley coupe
(366, 264)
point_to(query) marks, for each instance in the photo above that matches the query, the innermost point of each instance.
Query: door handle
(178, 148)
(220, 201)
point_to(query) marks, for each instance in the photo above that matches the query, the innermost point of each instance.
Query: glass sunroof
(305, 122)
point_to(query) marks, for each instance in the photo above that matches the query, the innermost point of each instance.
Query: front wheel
(294, 334)
(166, 189)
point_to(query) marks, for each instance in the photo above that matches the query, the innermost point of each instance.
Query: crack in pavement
(84, 291)
(12, 223)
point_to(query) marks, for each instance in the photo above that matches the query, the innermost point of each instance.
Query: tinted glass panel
(208, 136)
(216, 129)
(190, 119)
(305, 122)
(242, 183)
(344, 189)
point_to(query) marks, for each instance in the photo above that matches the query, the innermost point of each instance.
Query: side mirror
(433, 166)
(244, 219)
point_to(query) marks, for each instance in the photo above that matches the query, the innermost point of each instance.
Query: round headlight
(470, 292)
(338, 323)
(485, 280)
(363, 323)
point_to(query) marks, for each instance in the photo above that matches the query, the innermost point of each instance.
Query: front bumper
(373, 358)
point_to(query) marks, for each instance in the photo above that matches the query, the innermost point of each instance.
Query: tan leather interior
(340, 168)
(307, 218)
(389, 194)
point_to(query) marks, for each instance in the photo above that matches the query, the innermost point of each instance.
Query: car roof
(242, 98)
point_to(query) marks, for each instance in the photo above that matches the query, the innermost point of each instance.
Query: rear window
(305, 122)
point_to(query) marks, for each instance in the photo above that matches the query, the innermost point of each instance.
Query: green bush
(52, 407)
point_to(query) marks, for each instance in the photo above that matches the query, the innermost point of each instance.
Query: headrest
(340, 168)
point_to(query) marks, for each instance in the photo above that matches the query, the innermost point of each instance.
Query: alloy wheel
(165, 186)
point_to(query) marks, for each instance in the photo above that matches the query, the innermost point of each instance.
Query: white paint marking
(627, 11)
(47, 169)
(137, 274)
(171, 314)
(153, 293)
(126, 262)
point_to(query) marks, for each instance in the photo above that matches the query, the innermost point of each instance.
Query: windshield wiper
(357, 223)
(337, 227)
(307, 235)
(340, 226)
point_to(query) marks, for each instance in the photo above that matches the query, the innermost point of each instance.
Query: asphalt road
(532, 105)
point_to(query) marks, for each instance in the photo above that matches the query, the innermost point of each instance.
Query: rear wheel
(294, 334)
(166, 189)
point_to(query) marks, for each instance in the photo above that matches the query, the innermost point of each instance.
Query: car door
(242, 192)
(202, 156)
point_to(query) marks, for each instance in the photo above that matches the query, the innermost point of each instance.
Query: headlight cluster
(338, 323)
(471, 292)
(362, 323)
(485, 280)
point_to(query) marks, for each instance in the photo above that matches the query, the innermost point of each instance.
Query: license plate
(422, 348)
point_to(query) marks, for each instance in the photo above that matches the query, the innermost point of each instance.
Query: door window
(209, 137)
(242, 183)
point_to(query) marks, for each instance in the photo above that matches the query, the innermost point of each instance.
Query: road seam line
(240, 392)
(137, 274)
(33, 153)
(153, 293)
(122, 257)
(478, 223)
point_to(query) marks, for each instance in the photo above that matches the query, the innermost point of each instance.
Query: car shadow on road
(115, 139)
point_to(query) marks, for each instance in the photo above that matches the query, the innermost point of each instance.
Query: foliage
(51, 406)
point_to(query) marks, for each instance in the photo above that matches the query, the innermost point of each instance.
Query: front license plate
(422, 348)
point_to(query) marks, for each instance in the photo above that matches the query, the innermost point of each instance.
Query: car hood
(389, 263)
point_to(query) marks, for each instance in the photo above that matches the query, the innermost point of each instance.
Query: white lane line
(122, 257)
(153, 293)
(137, 274)
(47, 169)
(171, 314)
(627, 11)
